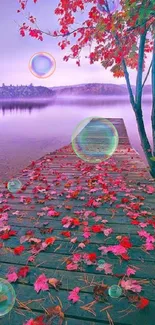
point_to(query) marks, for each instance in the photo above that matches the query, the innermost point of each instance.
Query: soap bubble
(14, 185)
(94, 139)
(42, 65)
(7, 297)
(115, 291)
(111, 4)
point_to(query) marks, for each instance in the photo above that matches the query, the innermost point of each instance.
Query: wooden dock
(112, 203)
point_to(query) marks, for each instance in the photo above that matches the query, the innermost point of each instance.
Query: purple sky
(16, 51)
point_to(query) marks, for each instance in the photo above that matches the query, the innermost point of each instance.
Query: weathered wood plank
(125, 174)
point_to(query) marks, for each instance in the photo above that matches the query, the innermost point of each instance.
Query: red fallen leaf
(50, 240)
(97, 228)
(75, 222)
(23, 271)
(135, 222)
(135, 206)
(66, 233)
(68, 207)
(125, 257)
(92, 257)
(124, 200)
(38, 321)
(5, 236)
(19, 250)
(30, 233)
(12, 233)
(144, 302)
(125, 242)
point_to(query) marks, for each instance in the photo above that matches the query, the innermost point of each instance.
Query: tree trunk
(137, 104)
(153, 98)
(144, 141)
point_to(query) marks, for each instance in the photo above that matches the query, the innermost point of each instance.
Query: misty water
(28, 130)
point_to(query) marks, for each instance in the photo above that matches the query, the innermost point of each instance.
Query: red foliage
(144, 302)
(23, 271)
(19, 250)
(119, 28)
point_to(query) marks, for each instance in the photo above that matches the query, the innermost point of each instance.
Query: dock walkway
(109, 205)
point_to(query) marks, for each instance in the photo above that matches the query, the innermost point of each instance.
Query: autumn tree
(119, 41)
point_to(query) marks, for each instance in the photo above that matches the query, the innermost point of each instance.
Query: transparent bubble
(95, 139)
(14, 185)
(7, 297)
(111, 6)
(42, 65)
(115, 291)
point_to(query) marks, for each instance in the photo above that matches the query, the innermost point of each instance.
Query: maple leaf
(23, 271)
(144, 302)
(52, 312)
(92, 257)
(97, 228)
(72, 267)
(50, 240)
(131, 284)
(12, 277)
(150, 189)
(41, 283)
(55, 283)
(37, 321)
(99, 290)
(19, 250)
(66, 233)
(125, 242)
(73, 296)
(130, 271)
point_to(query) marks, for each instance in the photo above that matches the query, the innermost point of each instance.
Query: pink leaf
(72, 267)
(81, 245)
(131, 285)
(74, 295)
(12, 277)
(150, 189)
(107, 231)
(41, 283)
(107, 268)
(130, 271)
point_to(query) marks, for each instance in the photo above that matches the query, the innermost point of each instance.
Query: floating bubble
(115, 291)
(14, 185)
(108, 5)
(42, 65)
(7, 297)
(94, 139)
(101, 262)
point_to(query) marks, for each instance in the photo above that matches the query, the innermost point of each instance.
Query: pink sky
(16, 51)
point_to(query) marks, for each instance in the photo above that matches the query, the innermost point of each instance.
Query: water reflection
(20, 107)
(32, 128)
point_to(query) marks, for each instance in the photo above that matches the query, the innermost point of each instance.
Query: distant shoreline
(49, 93)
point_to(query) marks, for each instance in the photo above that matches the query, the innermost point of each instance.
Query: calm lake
(28, 130)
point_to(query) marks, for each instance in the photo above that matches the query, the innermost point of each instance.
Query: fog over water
(31, 128)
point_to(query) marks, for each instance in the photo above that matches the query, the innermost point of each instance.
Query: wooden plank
(53, 172)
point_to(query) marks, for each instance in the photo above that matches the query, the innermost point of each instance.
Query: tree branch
(147, 74)
(126, 74)
(140, 70)
(153, 96)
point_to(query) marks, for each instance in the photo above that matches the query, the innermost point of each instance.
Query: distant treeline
(94, 89)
